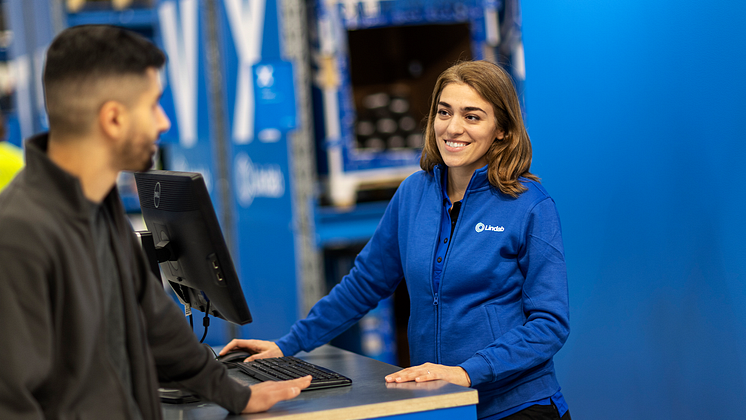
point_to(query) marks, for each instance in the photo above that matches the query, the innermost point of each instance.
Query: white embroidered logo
(482, 227)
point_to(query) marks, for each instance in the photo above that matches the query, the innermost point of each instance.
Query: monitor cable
(205, 322)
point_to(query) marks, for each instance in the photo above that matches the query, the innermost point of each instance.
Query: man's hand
(431, 372)
(261, 349)
(267, 394)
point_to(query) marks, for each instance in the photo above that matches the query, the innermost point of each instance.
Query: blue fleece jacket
(502, 309)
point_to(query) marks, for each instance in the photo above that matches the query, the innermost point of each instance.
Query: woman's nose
(455, 127)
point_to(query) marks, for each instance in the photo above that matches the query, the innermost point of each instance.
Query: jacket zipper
(436, 299)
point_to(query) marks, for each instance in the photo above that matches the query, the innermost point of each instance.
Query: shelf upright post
(302, 144)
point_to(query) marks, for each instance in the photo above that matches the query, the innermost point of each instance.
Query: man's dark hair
(80, 57)
(99, 50)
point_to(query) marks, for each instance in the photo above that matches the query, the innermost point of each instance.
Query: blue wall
(637, 113)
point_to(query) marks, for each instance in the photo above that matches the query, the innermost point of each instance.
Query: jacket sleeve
(375, 274)
(545, 305)
(179, 357)
(26, 331)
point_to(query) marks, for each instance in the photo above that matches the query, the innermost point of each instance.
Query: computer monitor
(189, 244)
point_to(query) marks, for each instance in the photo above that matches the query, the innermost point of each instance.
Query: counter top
(368, 397)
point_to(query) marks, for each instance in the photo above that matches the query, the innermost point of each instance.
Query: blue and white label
(481, 227)
(253, 180)
(275, 99)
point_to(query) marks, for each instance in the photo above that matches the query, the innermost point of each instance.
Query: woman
(478, 240)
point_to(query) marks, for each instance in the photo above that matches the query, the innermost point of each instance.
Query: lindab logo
(480, 227)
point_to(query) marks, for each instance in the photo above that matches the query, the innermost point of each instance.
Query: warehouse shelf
(337, 227)
(130, 18)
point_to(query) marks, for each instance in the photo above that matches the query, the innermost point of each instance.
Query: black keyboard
(288, 367)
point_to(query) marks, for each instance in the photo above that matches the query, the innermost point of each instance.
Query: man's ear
(113, 119)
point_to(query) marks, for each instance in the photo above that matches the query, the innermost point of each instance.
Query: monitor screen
(193, 255)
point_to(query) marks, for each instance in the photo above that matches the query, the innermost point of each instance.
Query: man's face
(146, 123)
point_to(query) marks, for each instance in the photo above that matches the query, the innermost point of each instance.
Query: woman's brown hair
(508, 158)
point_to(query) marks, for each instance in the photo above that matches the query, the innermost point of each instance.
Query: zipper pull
(435, 301)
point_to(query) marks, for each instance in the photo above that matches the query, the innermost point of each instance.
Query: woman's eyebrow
(465, 109)
(473, 108)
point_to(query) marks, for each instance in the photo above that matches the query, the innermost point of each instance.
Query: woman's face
(464, 127)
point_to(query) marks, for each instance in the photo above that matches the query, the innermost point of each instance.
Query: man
(87, 331)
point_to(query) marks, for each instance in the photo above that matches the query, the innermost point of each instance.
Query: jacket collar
(60, 188)
(479, 180)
